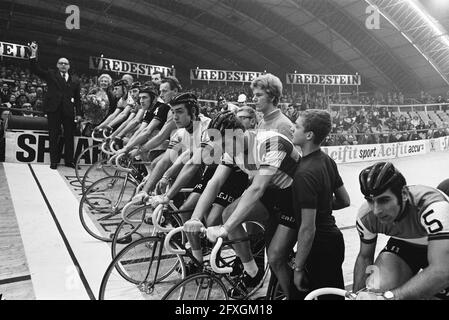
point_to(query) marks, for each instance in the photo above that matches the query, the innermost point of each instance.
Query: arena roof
(409, 51)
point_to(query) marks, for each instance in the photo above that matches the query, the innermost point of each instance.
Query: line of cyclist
(275, 172)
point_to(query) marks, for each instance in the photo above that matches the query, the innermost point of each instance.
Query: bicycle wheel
(142, 270)
(130, 232)
(97, 171)
(101, 205)
(200, 286)
(86, 158)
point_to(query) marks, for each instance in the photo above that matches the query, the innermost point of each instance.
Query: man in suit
(61, 104)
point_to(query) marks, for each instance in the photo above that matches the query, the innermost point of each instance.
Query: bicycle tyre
(96, 171)
(126, 276)
(139, 230)
(100, 206)
(80, 168)
(192, 288)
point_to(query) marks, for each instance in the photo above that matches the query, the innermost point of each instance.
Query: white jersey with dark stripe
(426, 218)
(269, 153)
(187, 139)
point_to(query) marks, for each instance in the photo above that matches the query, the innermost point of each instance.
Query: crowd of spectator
(23, 92)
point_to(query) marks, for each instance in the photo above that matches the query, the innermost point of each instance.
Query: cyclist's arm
(121, 117)
(111, 117)
(131, 125)
(210, 192)
(163, 135)
(341, 199)
(187, 173)
(306, 234)
(139, 130)
(123, 125)
(142, 137)
(435, 277)
(364, 259)
(248, 200)
(177, 165)
(158, 171)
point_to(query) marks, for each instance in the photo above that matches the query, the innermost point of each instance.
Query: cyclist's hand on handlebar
(162, 185)
(141, 197)
(213, 233)
(154, 201)
(193, 226)
(367, 295)
(134, 153)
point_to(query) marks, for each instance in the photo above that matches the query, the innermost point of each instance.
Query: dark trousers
(55, 120)
(324, 265)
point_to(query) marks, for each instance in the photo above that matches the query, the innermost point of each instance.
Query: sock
(198, 254)
(251, 268)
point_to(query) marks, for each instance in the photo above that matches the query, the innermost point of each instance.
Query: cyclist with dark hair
(122, 110)
(158, 140)
(188, 136)
(146, 98)
(134, 116)
(416, 218)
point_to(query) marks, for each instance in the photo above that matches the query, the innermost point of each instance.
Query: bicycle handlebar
(335, 291)
(104, 132)
(117, 163)
(156, 217)
(125, 217)
(103, 148)
(213, 258)
(167, 245)
(95, 138)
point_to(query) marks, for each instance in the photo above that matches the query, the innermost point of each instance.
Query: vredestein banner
(223, 75)
(121, 66)
(14, 50)
(324, 79)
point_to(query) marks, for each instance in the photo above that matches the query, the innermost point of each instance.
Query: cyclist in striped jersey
(270, 160)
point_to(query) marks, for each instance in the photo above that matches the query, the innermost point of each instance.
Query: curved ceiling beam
(319, 53)
(296, 56)
(149, 24)
(89, 18)
(273, 56)
(121, 44)
(370, 48)
(419, 30)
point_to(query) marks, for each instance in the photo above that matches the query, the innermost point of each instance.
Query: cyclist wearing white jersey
(416, 218)
(185, 113)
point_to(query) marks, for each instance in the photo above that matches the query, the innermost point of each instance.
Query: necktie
(64, 76)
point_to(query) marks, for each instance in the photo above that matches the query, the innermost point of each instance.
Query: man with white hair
(241, 100)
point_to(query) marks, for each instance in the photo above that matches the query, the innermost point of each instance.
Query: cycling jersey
(189, 138)
(158, 111)
(269, 153)
(425, 217)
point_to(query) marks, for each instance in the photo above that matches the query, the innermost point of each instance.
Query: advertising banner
(14, 50)
(34, 147)
(376, 152)
(223, 75)
(324, 79)
(114, 65)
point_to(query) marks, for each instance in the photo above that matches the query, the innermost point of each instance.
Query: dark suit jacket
(59, 93)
